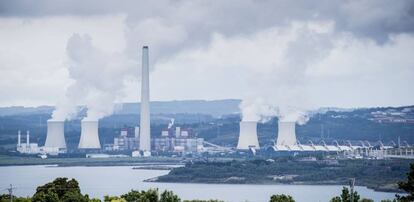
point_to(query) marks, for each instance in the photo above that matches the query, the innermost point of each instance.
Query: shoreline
(317, 183)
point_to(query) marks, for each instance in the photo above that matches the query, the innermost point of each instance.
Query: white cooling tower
(89, 135)
(145, 130)
(248, 135)
(286, 134)
(55, 134)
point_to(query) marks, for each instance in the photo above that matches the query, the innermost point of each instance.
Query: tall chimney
(144, 135)
(55, 136)
(136, 132)
(27, 138)
(89, 135)
(18, 139)
(248, 135)
(286, 134)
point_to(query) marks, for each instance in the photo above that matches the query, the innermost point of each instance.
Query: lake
(117, 180)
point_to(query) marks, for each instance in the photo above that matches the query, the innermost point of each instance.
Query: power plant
(89, 135)
(55, 134)
(172, 140)
(145, 130)
(248, 135)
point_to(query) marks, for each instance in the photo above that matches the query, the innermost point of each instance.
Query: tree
(407, 186)
(281, 198)
(336, 199)
(346, 196)
(366, 200)
(6, 198)
(113, 199)
(151, 196)
(60, 190)
(169, 196)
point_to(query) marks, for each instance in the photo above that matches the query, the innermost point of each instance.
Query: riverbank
(64, 162)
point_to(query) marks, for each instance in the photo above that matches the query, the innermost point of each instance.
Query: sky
(307, 54)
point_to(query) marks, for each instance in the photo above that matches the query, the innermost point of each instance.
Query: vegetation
(281, 198)
(6, 198)
(378, 174)
(346, 197)
(407, 186)
(61, 189)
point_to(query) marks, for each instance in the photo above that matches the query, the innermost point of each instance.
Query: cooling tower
(89, 135)
(286, 134)
(55, 134)
(144, 134)
(248, 135)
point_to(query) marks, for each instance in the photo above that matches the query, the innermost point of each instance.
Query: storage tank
(248, 135)
(55, 134)
(89, 135)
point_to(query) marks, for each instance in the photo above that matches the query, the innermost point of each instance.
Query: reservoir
(117, 180)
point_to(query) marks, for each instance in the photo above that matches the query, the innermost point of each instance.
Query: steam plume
(98, 79)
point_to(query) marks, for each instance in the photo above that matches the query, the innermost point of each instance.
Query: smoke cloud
(98, 79)
(281, 90)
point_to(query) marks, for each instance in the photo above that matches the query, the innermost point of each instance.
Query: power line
(10, 190)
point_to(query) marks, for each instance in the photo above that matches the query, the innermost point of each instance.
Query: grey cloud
(199, 19)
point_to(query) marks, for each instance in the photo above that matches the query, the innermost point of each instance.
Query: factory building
(33, 148)
(125, 141)
(178, 140)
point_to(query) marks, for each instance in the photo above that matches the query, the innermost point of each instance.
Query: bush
(281, 198)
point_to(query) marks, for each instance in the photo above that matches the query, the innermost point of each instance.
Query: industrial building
(33, 148)
(178, 140)
(125, 141)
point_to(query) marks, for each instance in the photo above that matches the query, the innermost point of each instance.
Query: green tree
(60, 190)
(6, 198)
(281, 198)
(169, 196)
(146, 196)
(336, 199)
(407, 186)
(366, 200)
(346, 196)
(113, 199)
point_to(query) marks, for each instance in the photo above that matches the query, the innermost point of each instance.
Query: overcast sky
(302, 53)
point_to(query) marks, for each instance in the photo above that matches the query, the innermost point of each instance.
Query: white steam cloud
(281, 89)
(98, 79)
